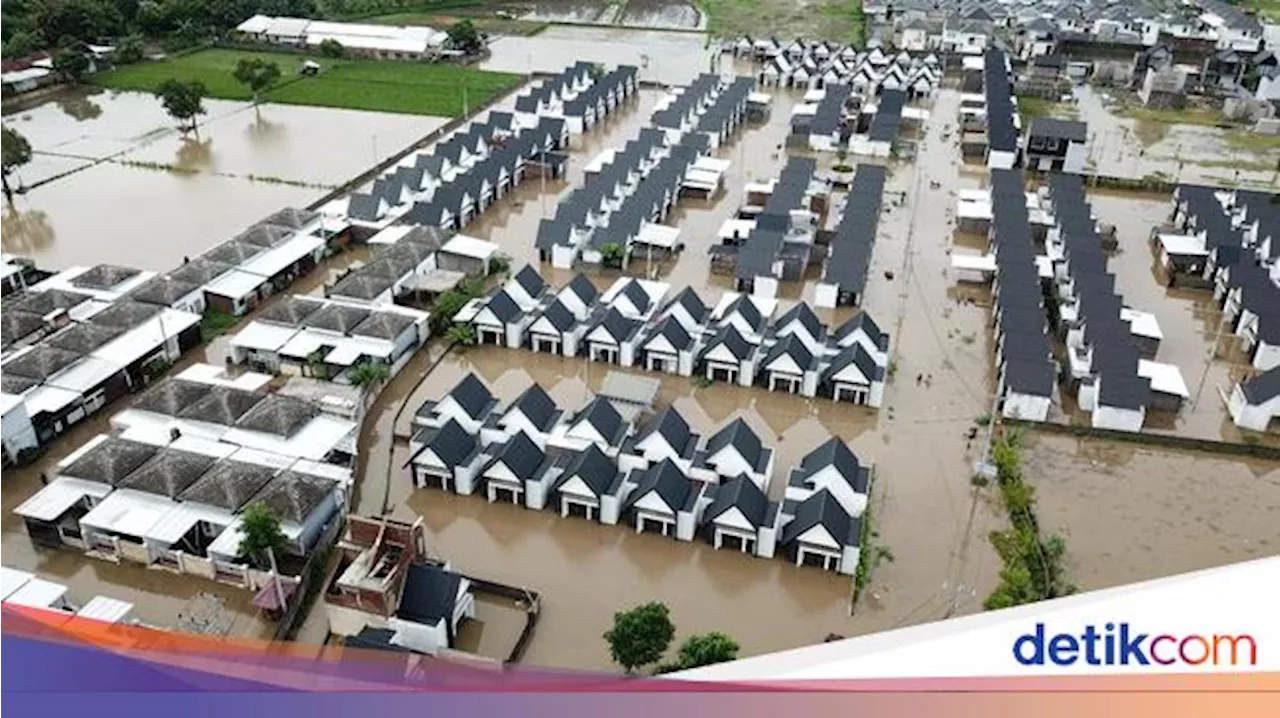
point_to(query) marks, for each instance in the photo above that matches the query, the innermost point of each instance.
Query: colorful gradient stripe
(57, 665)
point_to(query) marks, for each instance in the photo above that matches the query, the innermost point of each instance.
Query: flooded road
(122, 185)
(673, 14)
(1131, 513)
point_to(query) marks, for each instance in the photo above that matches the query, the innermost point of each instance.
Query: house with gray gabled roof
(854, 376)
(469, 403)
(800, 321)
(668, 347)
(739, 516)
(663, 500)
(862, 330)
(533, 414)
(554, 330)
(832, 466)
(579, 295)
(610, 337)
(819, 532)
(526, 286)
(689, 310)
(367, 208)
(517, 469)
(445, 457)
(1254, 403)
(588, 487)
(788, 365)
(499, 321)
(728, 356)
(732, 451)
(596, 424)
(665, 436)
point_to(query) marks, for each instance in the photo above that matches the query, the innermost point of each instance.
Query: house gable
(578, 489)
(721, 354)
(501, 472)
(545, 327)
(819, 536)
(653, 502)
(659, 343)
(786, 365)
(733, 519)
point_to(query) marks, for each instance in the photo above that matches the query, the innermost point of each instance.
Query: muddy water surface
(1131, 513)
(121, 184)
(665, 57)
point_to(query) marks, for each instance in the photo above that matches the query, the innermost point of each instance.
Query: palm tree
(367, 374)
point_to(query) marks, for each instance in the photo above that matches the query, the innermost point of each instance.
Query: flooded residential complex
(748, 325)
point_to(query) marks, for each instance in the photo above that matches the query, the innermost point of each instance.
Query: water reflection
(79, 107)
(25, 232)
(195, 154)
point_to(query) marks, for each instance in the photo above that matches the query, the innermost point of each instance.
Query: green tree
(129, 50)
(330, 47)
(71, 63)
(461, 334)
(21, 44)
(184, 101)
(706, 649)
(611, 255)
(464, 36)
(257, 74)
(261, 535)
(446, 306)
(368, 374)
(640, 636)
(17, 152)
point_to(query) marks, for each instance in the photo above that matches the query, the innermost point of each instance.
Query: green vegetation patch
(384, 86)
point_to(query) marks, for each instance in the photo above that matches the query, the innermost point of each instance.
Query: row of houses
(992, 127)
(1229, 240)
(76, 342)
(460, 177)
(636, 323)
(329, 339)
(577, 96)
(657, 476)
(773, 238)
(235, 276)
(1111, 347)
(628, 193)
(168, 487)
(844, 274)
(869, 72)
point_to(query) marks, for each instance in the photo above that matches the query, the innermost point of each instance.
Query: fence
(532, 600)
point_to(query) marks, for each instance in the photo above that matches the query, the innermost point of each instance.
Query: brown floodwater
(663, 56)
(1132, 513)
(1124, 147)
(1189, 319)
(945, 570)
(122, 185)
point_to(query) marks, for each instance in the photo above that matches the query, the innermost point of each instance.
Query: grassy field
(1032, 107)
(838, 20)
(1267, 9)
(385, 86)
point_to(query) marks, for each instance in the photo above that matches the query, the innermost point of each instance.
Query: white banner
(1218, 620)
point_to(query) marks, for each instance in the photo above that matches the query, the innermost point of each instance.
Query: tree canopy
(16, 151)
(257, 74)
(184, 101)
(464, 36)
(641, 635)
(261, 535)
(72, 63)
(707, 649)
(330, 47)
(368, 373)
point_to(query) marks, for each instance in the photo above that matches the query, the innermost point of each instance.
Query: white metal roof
(31, 73)
(178, 520)
(1165, 378)
(276, 259)
(11, 579)
(235, 284)
(85, 374)
(1192, 245)
(51, 399)
(127, 511)
(147, 337)
(974, 262)
(314, 440)
(466, 246)
(217, 376)
(9, 402)
(391, 234)
(107, 610)
(264, 336)
(62, 493)
(1143, 324)
(658, 235)
(256, 24)
(37, 593)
